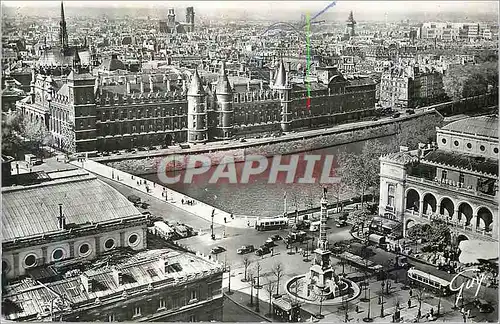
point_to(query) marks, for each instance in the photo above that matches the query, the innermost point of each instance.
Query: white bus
(264, 224)
(429, 280)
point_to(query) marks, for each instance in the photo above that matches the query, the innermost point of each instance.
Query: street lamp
(251, 289)
(229, 284)
(257, 309)
(212, 226)
(382, 301)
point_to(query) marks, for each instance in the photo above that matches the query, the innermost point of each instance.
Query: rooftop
(141, 273)
(33, 209)
(482, 126)
(402, 157)
(463, 161)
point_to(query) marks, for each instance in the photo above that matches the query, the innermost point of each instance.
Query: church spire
(63, 33)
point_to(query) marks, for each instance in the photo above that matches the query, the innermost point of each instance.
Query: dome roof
(481, 126)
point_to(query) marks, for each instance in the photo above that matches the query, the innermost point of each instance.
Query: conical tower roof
(196, 88)
(223, 85)
(280, 79)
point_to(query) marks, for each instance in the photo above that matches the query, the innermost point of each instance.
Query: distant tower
(190, 18)
(171, 19)
(224, 95)
(63, 33)
(284, 88)
(77, 62)
(197, 111)
(350, 25)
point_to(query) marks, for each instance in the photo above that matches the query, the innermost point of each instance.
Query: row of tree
(462, 81)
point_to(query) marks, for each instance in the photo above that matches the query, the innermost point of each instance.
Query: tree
(36, 134)
(411, 133)
(246, 264)
(361, 171)
(338, 187)
(278, 270)
(11, 129)
(461, 81)
(270, 288)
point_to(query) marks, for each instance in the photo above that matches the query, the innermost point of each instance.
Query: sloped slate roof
(34, 210)
(481, 125)
(463, 161)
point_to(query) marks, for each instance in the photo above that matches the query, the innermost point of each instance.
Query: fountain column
(321, 271)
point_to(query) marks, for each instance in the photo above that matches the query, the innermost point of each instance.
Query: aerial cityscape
(278, 161)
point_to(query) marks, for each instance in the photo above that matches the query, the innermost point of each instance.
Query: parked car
(106, 153)
(341, 224)
(263, 250)
(242, 140)
(145, 205)
(134, 199)
(218, 249)
(142, 149)
(269, 243)
(375, 118)
(448, 268)
(410, 111)
(276, 237)
(483, 305)
(245, 249)
(396, 115)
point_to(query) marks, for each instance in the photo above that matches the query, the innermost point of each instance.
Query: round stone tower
(197, 111)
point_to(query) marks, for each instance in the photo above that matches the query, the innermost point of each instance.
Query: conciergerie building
(108, 110)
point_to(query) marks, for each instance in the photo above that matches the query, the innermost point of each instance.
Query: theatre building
(75, 249)
(454, 180)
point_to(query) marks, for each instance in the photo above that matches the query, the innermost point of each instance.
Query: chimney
(61, 219)
(151, 83)
(248, 86)
(164, 264)
(289, 66)
(403, 149)
(168, 85)
(142, 86)
(261, 85)
(117, 276)
(87, 283)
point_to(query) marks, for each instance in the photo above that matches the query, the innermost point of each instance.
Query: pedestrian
(357, 309)
(182, 201)
(248, 223)
(232, 216)
(225, 220)
(409, 303)
(411, 293)
(432, 312)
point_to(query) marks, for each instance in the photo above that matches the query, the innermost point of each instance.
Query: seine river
(260, 198)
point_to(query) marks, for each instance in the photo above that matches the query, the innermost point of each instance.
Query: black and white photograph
(250, 161)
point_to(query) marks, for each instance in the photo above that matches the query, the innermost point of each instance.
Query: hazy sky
(363, 10)
(386, 6)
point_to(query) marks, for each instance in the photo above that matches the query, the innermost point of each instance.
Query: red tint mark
(308, 103)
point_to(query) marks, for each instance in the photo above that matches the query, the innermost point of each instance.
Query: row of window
(469, 145)
(84, 249)
(163, 304)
